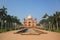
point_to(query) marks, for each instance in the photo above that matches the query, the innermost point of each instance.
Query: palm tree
(51, 22)
(44, 21)
(3, 14)
(56, 19)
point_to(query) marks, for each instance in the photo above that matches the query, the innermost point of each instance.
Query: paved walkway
(12, 36)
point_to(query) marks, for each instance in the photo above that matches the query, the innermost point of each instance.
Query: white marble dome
(29, 17)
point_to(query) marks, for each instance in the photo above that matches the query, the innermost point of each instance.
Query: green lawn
(52, 30)
(6, 30)
(3, 30)
(55, 31)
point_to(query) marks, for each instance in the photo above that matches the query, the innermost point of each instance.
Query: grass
(5, 30)
(57, 31)
(2, 30)
(9, 29)
(52, 30)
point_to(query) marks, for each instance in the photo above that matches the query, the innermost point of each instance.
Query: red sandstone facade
(30, 22)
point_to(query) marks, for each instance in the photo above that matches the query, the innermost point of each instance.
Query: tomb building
(29, 22)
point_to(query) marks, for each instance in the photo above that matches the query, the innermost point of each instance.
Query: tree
(52, 20)
(45, 16)
(56, 16)
(8, 20)
(44, 21)
(3, 14)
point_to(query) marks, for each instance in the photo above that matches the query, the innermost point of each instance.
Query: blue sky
(36, 8)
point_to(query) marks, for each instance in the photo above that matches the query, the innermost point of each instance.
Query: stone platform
(30, 31)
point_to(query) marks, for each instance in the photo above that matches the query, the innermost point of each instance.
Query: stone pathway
(12, 36)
